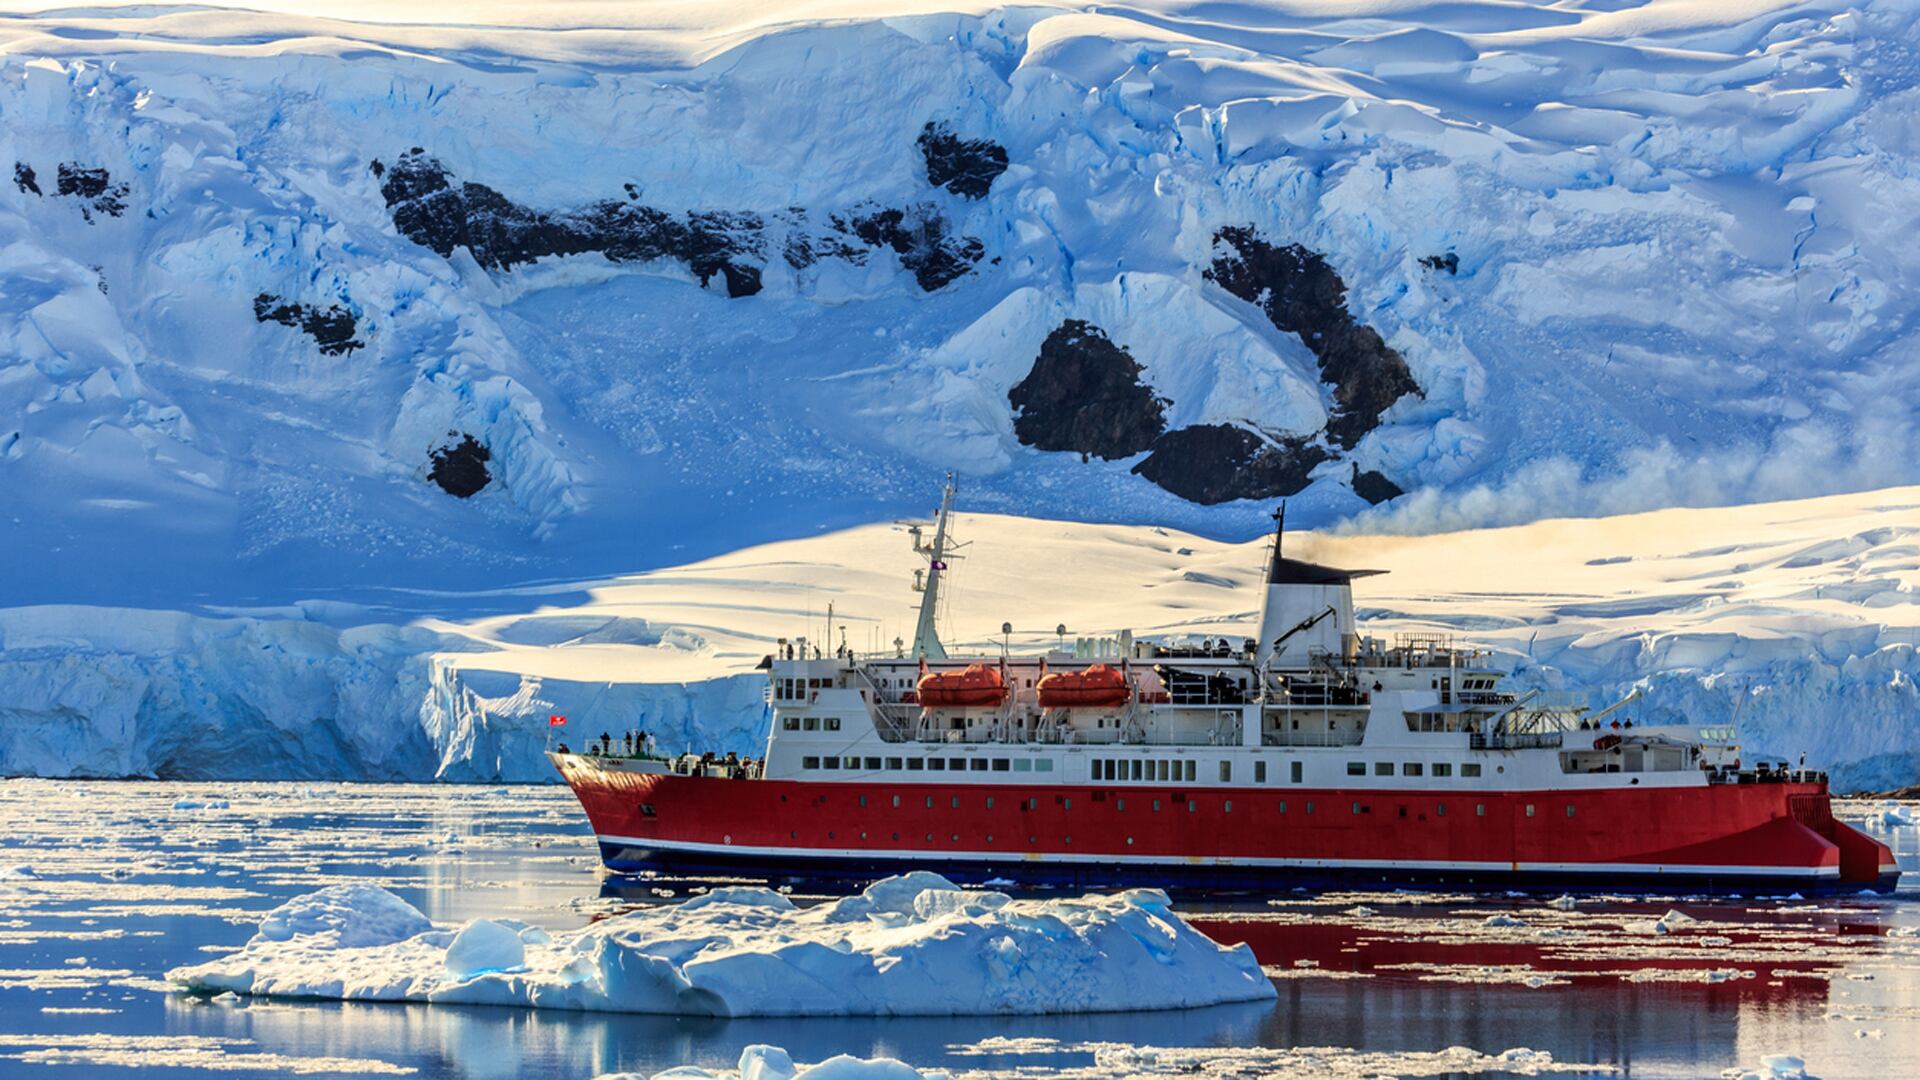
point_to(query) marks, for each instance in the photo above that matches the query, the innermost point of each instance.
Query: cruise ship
(1310, 753)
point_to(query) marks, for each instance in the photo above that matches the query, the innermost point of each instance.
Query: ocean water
(105, 886)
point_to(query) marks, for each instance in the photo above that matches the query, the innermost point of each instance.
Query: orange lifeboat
(978, 685)
(1098, 687)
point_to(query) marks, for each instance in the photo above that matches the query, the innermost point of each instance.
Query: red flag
(556, 720)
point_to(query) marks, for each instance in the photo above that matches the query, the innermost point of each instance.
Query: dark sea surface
(104, 887)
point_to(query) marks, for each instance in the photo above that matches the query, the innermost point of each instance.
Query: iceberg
(910, 945)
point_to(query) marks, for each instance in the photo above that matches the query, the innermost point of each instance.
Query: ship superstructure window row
(1119, 770)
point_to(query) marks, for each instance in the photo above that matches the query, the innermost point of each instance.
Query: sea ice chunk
(484, 946)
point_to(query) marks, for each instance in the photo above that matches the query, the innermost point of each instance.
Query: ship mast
(926, 639)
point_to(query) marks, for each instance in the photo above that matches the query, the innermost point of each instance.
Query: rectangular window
(1470, 769)
(863, 800)
(896, 800)
(809, 762)
(895, 763)
(936, 764)
(1119, 806)
(1192, 768)
(989, 802)
(833, 723)
(1442, 768)
(1356, 768)
(1383, 768)
(1259, 772)
(1066, 804)
(1411, 768)
(850, 763)
(1226, 772)
(1356, 808)
(1283, 806)
(1001, 764)
(1022, 765)
(790, 723)
(1227, 807)
(1193, 805)
(1440, 810)
(955, 802)
(1043, 765)
(1309, 806)
(914, 764)
(812, 723)
(1137, 765)
(1296, 772)
(978, 764)
(873, 763)
(1156, 806)
(1479, 809)
(1569, 809)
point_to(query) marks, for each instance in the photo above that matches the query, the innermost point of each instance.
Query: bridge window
(1410, 768)
(809, 762)
(1442, 769)
(1383, 768)
(1356, 768)
(1470, 769)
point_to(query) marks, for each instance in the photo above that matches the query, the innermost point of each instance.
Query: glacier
(657, 281)
(1795, 621)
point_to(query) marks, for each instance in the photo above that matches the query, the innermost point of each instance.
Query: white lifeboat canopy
(1308, 609)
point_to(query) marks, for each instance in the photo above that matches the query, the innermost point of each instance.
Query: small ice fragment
(1563, 903)
(483, 946)
(1502, 920)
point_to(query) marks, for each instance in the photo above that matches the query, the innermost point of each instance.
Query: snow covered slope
(336, 298)
(1796, 619)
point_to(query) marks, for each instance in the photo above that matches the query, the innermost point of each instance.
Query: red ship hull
(1741, 836)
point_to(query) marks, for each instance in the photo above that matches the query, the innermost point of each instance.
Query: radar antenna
(926, 639)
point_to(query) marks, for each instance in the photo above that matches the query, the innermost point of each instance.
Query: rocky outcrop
(966, 167)
(1216, 463)
(1302, 295)
(332, 327)
(919, 237)
(1373, 486)
(94, 188)
(1084, 394)
(460, 465)
(1449, 262)
(430, 209)
(433, 209)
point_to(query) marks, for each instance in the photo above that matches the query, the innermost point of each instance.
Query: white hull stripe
(1701, 870)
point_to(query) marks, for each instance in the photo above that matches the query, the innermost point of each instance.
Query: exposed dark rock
(1301, 294)
(24, 179)
(966, 167)
(460, 468)
(379, 169)
(1449, 262)
(1216, 463)
(93, 187)
(430, 210)
(1373, 486)
(331, 327)
(920, 238)
(1084, 394)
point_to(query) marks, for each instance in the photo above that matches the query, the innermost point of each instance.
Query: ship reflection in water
(1371, 983)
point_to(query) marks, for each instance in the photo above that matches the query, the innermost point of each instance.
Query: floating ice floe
(1773, 1067)
(22, 872)
(773, 1063)
(909, 945)
(201, 804)
(1893, 813)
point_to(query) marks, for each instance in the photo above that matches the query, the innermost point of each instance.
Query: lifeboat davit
(1098, 687)
(978, 685)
